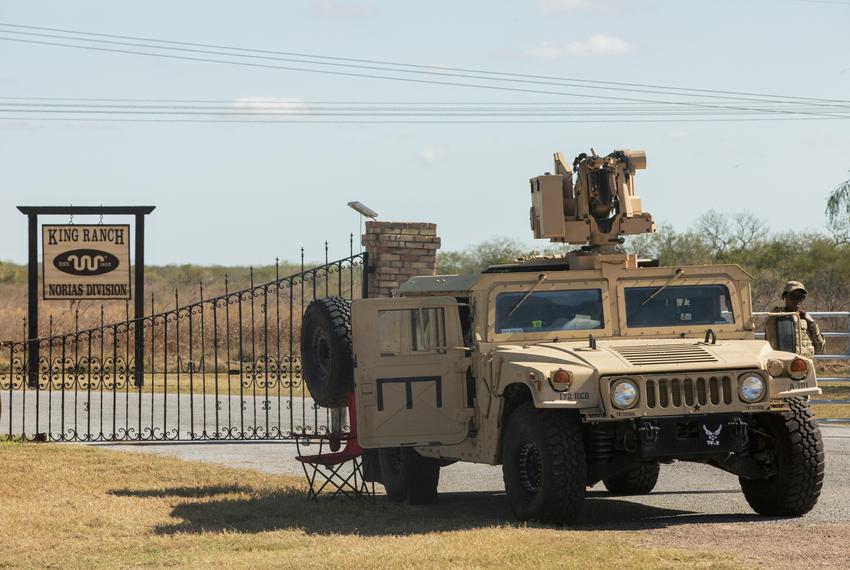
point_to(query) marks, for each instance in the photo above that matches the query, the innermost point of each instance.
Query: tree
(714, 229)
(838, 212)
(477, 257)
(671, 247)
(747, 230)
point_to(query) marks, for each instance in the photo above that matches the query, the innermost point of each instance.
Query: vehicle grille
(676, 392)
(649, 355)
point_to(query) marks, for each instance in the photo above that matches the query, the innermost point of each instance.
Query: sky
(241, 194)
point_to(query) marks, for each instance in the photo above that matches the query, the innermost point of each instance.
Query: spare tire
(326, 358)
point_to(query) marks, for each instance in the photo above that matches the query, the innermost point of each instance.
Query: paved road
(686, 492)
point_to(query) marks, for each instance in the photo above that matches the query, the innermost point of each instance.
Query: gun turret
(597, 207)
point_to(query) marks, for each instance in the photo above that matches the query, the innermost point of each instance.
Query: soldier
(812, 340)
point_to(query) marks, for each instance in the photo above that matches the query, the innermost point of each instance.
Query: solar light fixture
(363, 210)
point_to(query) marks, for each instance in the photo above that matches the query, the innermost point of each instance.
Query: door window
(412, 331)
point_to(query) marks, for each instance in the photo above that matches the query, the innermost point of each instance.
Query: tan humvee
(591, 367)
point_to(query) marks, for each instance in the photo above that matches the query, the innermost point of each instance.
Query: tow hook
(740, 431)
(648, 431)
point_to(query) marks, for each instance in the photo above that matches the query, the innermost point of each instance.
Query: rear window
(678, 305)
(546, 311)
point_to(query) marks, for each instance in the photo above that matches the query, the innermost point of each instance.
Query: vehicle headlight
(775, 367)
(751, 387)
(624, 394)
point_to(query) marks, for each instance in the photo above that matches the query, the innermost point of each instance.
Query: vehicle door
(410, 368)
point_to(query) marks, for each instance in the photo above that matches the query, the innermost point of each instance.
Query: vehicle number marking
(575, 396)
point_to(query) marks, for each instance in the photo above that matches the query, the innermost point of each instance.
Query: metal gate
(222, 368)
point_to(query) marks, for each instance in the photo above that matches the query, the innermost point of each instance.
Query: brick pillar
(398, 251)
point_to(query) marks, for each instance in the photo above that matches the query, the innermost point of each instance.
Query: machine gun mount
(593, 203)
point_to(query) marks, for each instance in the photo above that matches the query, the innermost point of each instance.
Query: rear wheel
(407, 476)
(791, 445)
(544, 466)
(639, 480)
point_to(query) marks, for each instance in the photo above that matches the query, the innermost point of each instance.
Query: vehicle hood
(641, 356)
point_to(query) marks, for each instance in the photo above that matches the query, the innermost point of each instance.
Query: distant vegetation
(820, 260)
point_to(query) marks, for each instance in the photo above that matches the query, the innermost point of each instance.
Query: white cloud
(553, 6)
(269, 105)
(431, 154)
(337, 9)
(597, 44)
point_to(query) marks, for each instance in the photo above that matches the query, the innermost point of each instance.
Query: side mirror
(787, 329)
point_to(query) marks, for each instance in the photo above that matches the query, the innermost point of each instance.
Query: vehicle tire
(407, 476)
(326, 358)
(424, 477)
(544, 465)
(394, 478)
(797, 451)
(638, 480)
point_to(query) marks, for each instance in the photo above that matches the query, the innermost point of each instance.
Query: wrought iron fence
(220, 368)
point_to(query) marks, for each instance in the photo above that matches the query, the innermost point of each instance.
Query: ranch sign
(86, 262)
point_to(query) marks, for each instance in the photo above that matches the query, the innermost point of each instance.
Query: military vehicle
(575, 369)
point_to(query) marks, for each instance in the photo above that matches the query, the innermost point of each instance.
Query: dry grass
(70, 506)
(835, 391)
(834, 411)
(161, 283)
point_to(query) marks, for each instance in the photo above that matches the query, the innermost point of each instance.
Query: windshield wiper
(540, 279)
(679, 273)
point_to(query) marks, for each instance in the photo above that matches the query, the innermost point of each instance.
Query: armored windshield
(545, 311)
(678, 305)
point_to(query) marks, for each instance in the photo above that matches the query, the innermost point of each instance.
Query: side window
(428, 330)
(412, 331)
(390, 329)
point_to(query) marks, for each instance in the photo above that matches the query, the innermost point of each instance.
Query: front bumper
(691, 436)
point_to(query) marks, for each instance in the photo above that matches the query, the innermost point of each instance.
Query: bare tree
(747, 230)
(715, 230)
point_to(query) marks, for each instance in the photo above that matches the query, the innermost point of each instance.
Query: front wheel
(544, 466)
(792, 446)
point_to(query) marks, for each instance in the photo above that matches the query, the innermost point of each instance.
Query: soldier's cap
(792, 286)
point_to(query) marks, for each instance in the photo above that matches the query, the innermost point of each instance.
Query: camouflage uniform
(811, 339)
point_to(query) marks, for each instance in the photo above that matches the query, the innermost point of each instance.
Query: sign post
(85, 262)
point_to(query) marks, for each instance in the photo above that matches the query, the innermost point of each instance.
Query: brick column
(398, 251)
